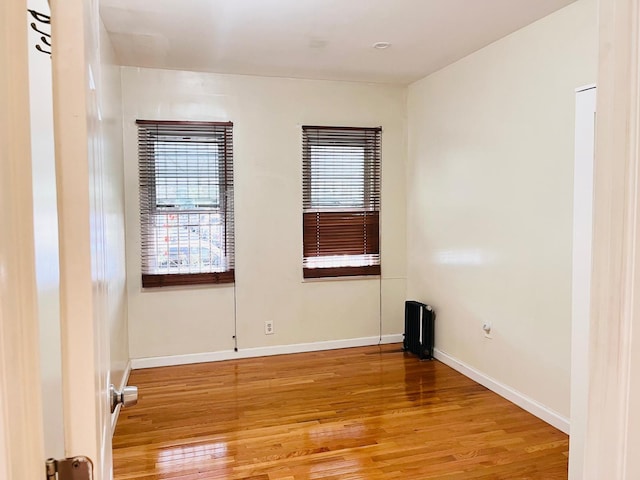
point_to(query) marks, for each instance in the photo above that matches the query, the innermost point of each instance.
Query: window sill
(341, 279)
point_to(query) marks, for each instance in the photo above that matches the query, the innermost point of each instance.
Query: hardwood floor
(361, 413)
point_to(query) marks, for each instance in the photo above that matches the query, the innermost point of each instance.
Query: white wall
(113, 198)
(267, 115)
(490, 201)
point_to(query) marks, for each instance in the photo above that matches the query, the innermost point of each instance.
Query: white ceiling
(322, 39)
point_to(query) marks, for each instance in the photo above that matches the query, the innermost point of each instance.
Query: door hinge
(76, 468)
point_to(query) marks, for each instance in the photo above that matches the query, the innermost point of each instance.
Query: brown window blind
(186, 202)
(341, 201)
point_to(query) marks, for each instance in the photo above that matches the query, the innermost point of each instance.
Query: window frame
(148, 133)
(365, 217)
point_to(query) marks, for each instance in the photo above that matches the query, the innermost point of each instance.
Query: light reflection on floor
(168, 458)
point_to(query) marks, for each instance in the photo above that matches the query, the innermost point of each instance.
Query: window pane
(337, 176)
(331, 261)
(187, 174)
(188, 243)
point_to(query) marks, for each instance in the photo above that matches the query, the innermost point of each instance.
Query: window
(341, 201)
(186, 202)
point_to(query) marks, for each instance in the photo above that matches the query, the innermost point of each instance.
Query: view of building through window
(188, 242)
(188, 231)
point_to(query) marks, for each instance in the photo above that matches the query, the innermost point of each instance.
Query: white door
(84, 352)
(45, 219)
(81, 217)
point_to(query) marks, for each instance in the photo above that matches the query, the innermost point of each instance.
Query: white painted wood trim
(523, 401)
(21, 425)
(151, 362)
(581, 275)
(115, 415)
(613, 422)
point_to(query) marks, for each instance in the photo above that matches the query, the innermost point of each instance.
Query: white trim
(523, 401)
(343, 279)
(581, 275)
(151, 362)
(123, 383)
(21, 417)
(613, 420)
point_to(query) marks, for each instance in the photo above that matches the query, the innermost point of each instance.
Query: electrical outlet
(268, 327)
(486, 327)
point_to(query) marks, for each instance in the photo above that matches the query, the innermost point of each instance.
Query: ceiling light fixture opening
(381, 45)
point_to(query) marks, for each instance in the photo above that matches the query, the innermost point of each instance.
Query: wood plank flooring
(361, 413)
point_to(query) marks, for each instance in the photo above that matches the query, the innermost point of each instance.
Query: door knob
(127, 397)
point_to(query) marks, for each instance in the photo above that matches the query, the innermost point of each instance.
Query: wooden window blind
(341, 201)
(186, 202)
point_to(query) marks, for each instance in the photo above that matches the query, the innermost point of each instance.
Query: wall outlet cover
(268, 327)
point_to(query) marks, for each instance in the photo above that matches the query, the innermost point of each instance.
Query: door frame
(581, 274)
(21, 434)
(613, 420)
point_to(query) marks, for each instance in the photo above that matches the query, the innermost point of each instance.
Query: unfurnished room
(320, 239)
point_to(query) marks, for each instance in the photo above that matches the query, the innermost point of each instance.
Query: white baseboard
(523, 401)
(123, 383)
(151, 362)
